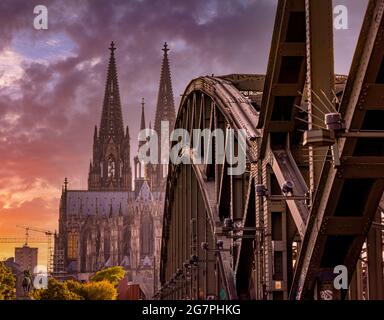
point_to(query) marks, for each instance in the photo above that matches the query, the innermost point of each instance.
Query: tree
(112, 275)
(7, 283)
(74, 290)
(76, 287)
(99, 290)
(56, 291)
(101, 287)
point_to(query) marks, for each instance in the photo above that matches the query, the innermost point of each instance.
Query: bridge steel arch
(202, 196)
(243, 236)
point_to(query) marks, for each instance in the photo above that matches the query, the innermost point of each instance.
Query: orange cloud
(36, 213)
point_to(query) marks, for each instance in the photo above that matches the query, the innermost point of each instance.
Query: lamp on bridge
(334, 122)
(261, 190)
(179, 272)
(287, 188)
(194, 260)
(228, 224)
(219, 246)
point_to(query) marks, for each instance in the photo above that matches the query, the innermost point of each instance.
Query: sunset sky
(52, 81)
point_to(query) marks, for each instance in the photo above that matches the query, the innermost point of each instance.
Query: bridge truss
(309, 198)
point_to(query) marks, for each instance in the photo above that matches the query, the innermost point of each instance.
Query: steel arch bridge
(310, 195)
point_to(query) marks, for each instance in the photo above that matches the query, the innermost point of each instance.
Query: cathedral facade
(113, 223)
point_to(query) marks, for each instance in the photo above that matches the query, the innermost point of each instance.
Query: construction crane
(49, 234)
(20, 240)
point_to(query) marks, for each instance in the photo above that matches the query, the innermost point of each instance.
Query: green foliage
(56, 291)
(74, 290)
(99, 290)
(7, 283)
(112, 275)
(76, 287)
(101, 287)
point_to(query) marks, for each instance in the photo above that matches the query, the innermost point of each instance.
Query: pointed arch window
(72, 245)
(111, 167)
(146, 235)
(164, 171)
(107, 244)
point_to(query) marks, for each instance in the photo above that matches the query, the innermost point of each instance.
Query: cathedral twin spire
(165, 109)
(142, 122)
(110, 169)
(112, 119)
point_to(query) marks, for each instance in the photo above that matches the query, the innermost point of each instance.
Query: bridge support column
(324, 287)
(375, 262)
(275, 222)
(259, 248)
(356, 286)
(320, 76)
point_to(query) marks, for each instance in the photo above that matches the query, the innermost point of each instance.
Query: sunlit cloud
(11, 118)
(88, 63)
(10, 68)
(52, 42)
(14, 191)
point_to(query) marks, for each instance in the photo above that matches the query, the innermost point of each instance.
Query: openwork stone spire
(142, 122)
(110, 168)
(111, 118)
(165, 110)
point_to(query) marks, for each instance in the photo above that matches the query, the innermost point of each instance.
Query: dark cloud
(61, 102)
(61, 97)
